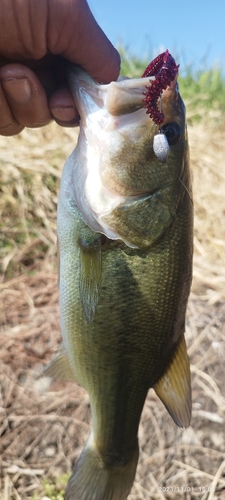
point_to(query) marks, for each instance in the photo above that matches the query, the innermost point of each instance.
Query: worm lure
(164, 69)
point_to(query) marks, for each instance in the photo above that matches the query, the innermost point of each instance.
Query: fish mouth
(127, 95)
(124, 96)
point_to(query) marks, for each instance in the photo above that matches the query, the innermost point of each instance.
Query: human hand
(36, 38)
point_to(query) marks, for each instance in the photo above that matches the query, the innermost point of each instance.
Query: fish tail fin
(93, 480)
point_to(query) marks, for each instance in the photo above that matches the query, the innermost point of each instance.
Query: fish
(125, 239)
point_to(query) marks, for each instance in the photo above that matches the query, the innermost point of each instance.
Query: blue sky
(193, 30)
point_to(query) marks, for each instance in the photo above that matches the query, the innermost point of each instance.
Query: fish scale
(125, 275)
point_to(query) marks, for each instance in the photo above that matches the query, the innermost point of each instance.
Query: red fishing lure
(164, 68)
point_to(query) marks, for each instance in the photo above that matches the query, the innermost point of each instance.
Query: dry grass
(42, 429)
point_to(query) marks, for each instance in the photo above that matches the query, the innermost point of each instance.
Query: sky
(192, 30)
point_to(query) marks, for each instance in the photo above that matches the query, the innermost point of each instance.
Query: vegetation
(53, 490)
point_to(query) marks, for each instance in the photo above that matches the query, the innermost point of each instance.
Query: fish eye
(172, 132)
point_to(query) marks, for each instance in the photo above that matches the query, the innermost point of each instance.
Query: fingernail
(68, 114)
(17, 89)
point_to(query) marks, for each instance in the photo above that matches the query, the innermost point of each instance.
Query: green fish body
(125, 249)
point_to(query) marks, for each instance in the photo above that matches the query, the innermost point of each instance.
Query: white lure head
(161, 147)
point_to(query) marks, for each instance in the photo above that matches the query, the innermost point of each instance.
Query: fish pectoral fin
(59, 368)
(90, 276)
(174, 387)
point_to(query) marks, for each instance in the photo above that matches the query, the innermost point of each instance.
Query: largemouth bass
(125, 249)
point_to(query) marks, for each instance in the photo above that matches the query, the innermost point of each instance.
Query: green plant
(53, 491)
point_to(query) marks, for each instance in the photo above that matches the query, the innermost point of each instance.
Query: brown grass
(42, 428)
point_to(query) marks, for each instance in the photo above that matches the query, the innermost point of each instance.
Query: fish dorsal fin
(59, 368)
(174, 387)
(90, 276)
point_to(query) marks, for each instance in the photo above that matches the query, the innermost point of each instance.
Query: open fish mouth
(128, 95)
